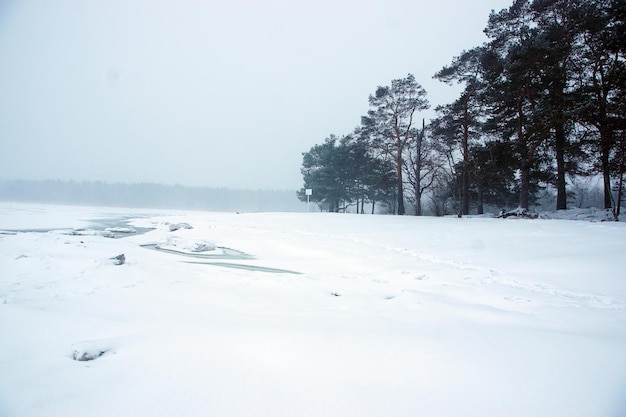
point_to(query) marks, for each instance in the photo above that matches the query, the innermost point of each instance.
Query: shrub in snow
(88, 350)
(84, 355)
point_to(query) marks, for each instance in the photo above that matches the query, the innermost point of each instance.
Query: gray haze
(207, 93)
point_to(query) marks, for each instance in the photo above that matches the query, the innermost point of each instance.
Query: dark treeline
(542, 105)
(148, 195)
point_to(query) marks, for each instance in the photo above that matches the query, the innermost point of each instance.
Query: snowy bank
(388, 316)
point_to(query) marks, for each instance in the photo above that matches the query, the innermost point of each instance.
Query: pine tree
(458, 123)
(391, 124)
(601, 79)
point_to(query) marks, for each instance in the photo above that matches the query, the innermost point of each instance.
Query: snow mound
(592, 214)
(180, 244)
(519, 213)
(177, 226)
(90, 350)
(110, 232)
(127, 230)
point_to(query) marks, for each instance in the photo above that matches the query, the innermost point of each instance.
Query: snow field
(386, 315)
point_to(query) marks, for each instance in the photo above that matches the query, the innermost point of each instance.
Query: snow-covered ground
(346, 315)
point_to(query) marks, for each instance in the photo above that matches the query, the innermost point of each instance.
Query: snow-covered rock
(178, 226)
(119, 259)
(520, 213)
(182, 244)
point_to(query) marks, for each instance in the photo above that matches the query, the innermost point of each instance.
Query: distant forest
(149, 195)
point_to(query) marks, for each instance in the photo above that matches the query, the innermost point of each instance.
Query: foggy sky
(208, 93)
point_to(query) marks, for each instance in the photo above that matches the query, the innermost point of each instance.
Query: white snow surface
(387, 316)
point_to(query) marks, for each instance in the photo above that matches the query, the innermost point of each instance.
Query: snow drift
(387, 316)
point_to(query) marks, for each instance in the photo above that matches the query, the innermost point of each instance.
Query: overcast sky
(205, 92)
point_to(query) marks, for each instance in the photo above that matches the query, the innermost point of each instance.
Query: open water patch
(117, 227)
(247, 267)
(114, 228)
(222, 253)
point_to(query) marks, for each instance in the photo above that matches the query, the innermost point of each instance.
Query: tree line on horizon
(147, 195)
(543, 102)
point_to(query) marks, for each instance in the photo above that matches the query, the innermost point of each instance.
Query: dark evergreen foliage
(342, 172)
(391, 125)
(542, 101)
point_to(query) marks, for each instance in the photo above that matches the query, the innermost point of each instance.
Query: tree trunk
(465, 173)
(333, 206)
(560, 141)
(418, 171)
(401, 209)
(524, 184)
(525, 160)
(418, 203)
(606, 139)
(620, 188)
(605, 152)
(417, 188)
